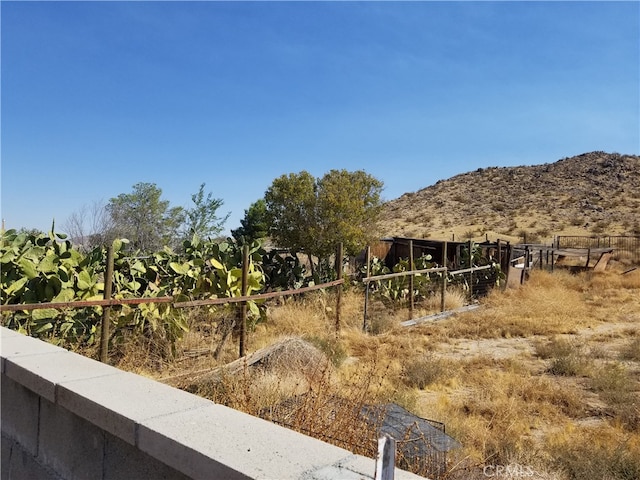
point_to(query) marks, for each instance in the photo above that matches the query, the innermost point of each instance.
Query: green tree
(348, 209)
(201, 219)
(291, 204)
(254, 226)
(144, 218)
(313, 215)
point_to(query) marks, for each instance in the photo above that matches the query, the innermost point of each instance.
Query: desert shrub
(565, 357)
(427, 370)
(556, 347)
(379, 324)
(631, 351)
(615, 385)
(332, 348)
(595, 453)
(576, 221)
(611, 378)
(600, 226)
(543, 232)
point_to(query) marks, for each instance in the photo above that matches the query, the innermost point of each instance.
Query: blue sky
(98, 96)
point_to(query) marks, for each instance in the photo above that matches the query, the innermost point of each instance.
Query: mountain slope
(595, 193)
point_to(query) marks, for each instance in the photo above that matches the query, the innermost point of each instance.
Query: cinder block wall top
(65, 416)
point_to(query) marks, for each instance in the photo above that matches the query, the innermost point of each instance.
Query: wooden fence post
(339, 256)
(411, 282)
(366, 288)
(106, 310)
(243, 306)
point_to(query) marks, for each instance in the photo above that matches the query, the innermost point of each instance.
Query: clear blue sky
(98, 96)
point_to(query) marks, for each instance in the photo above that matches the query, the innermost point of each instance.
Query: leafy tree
(348, 208)
(201, 219)
(291, 204)
(144, 218)
(254, 226)
(313, 215)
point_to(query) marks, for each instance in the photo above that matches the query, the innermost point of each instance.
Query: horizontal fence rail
(469, 270)
(629, 244)
(258, 296)
(386, 276)
(83, 303)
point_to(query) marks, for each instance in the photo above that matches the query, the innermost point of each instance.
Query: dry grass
(577, 378)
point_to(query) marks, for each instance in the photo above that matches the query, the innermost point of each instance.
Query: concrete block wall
(68, 417)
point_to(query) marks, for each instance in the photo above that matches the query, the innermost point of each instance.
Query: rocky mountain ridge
(595, 193)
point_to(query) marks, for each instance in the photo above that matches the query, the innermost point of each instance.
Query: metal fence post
(243, 306)
(366, 288)
(411, 282)
(386, 461)
(106, 310)
(339, 272)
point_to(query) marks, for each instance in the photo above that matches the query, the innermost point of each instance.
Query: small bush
(426, 371)
(332, 348)
(612, 379)
(631, 351)
(566, 358)
(557, 347)
(379, 324)
(596, 454)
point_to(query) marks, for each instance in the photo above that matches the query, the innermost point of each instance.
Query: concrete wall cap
(117, 403)
(43, 372)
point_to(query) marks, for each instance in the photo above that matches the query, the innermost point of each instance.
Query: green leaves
(312, 215)
(39, 268)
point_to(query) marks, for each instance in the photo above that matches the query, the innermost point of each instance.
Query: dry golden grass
(577, 378)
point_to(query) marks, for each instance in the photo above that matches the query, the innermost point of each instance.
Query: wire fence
(623, 245)
(436, 284)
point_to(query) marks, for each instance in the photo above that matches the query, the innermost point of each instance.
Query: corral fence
(573, 253)
(474, 281)
(622, 244)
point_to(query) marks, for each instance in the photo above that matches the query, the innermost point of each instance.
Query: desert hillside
(594, 193)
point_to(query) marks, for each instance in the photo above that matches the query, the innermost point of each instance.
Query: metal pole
(444, 277)
(411, 283)
(339, 256)
(366, 289)
(243, 306)
(108, 287)
(443, 293)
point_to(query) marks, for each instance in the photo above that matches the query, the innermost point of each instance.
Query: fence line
(243, 299)
(83, 303)
(258, 296)
(402, 274)
(621, 243)
(411, 273)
